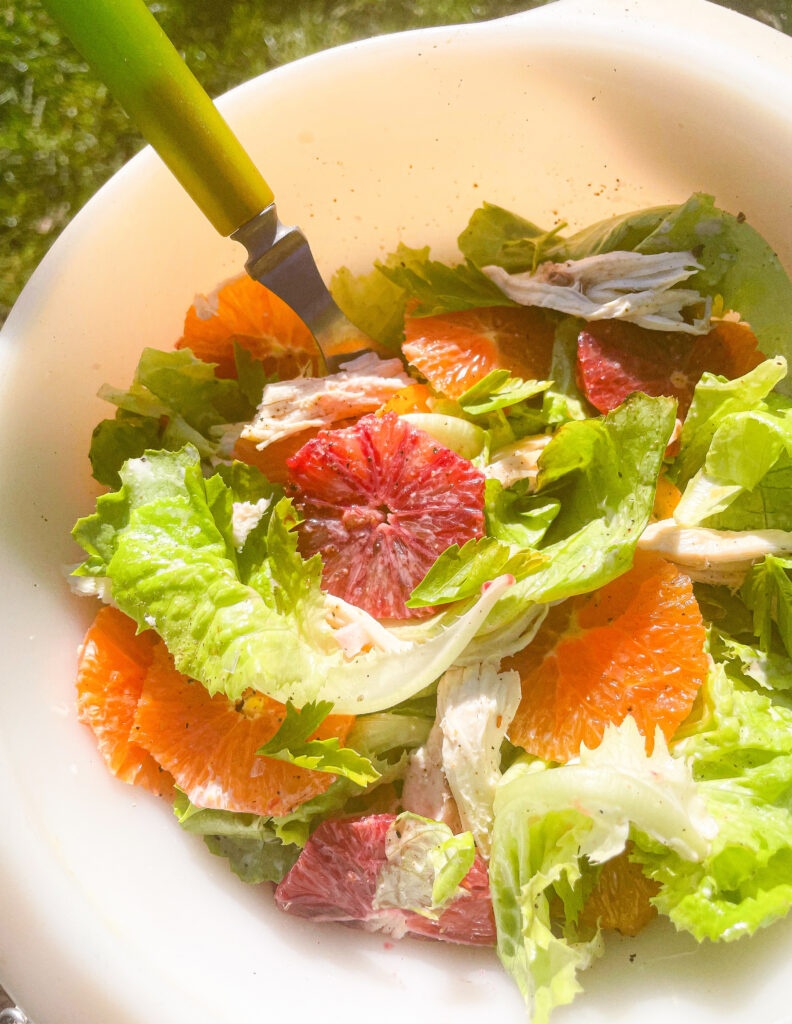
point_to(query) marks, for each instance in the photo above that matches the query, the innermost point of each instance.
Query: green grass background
(62, 136)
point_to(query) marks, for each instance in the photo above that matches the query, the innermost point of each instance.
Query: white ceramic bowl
(109, 914)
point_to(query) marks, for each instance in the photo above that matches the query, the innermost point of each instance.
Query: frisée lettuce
(740, 754)
(548, 820)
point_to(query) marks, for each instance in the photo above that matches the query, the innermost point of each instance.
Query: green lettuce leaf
(740, 751)
(738, 264)
(746, 480)
(461, 572)
(603, 473)
(767, 591)
(767, 507)
(240, 486)
(563, 400)
(425, 864)
(372, 301)
(548, 819)
(291, 743)
(499, 390)
(516, 515)
(714, 400)
(751, 665)
(533, 860)
(451, 860)
(436, 288)
(174, 399)
(496, 236)
(115, 441)
(169, 563)
(252, 378)
(723, 608)
(254, 851)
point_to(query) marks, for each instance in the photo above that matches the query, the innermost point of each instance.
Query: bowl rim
(592, 24)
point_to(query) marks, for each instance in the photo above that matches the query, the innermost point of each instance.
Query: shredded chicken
(475, 707)
(245, 517)
(290, 406)
(713, 556)
(356, 630)
(452, 778)
(426, 790)
(517, 461)
(631, 286)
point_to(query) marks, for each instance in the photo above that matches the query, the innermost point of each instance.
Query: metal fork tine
(280, 258)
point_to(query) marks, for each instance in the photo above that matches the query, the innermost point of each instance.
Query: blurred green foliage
(62, 136)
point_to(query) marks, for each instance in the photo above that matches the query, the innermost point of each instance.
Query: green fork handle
(142, 68)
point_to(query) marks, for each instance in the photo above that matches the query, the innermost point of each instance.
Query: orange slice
(455, 350)
(635, 647)
(209, 744)
(731, 349)
(245, 311)
(272, 459)
(667, 497)
(620, 899)
(413, 398)
(112, 665)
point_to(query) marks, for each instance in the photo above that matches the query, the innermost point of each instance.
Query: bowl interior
(566, 113)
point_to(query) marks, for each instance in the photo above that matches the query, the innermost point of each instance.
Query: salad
(485, 638)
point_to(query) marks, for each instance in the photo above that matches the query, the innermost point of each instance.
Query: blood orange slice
(380, 502)
(616, 359)
(272, 459)
(112, 665)
(455, 350)
(209, 744)
(245, 311)
(335, 879)
(635, 647)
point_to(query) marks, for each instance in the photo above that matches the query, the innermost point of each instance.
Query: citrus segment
(335, 879)
(414, 398)
(380, 502)
(635, 647)
(209, 744)
(616, 358)
(730, 349)
(667, 497)
(455, 350)
(245, 311)
(620, 899)
(272, 459)
(112, 665)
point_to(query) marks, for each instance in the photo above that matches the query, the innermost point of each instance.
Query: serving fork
(123, 42)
